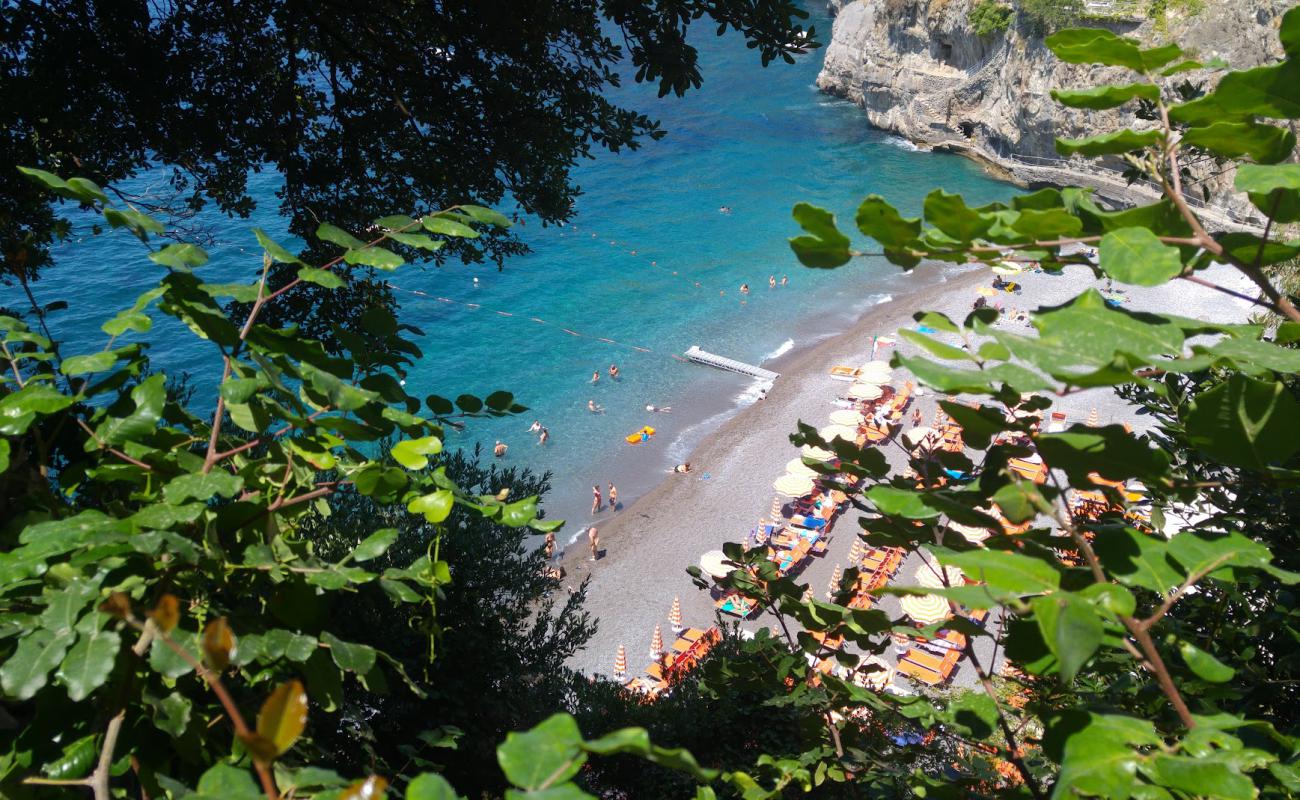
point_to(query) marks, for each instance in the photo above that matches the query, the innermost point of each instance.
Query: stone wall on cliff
(918, 70)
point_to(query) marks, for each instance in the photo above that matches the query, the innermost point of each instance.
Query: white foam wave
(785, 347)
(904, 144)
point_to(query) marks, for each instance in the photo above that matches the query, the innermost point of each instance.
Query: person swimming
(724, 210)
(613, 371)
(544, 436)
(593, 408)
(595, 376)
(500, 450)
(682, 468)
(785, 279)
(771, 281)
(663, 409)
(744, 288)
(535, 427)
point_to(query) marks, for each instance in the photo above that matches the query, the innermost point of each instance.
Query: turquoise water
(754, 140)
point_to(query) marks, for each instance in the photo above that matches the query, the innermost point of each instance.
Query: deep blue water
(752, 139)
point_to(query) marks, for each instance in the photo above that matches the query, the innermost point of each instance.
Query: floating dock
(699, 356)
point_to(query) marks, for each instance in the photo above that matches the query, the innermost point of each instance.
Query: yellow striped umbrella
(938, 417)
(807, 594)
(657, 644)
(795, 466)
(776, 514)
(866, 391)
(817, 453)
(793, 485)
(847, 416)
(620, 662)
(925, 609)
(675, 615)
(855, 553)
(930, 575)
(1093, 420)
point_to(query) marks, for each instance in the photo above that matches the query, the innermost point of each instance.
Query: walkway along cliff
(919, 70)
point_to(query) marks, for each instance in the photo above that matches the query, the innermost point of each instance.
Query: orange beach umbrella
(657, 644)
(675, 615)
(620, 662)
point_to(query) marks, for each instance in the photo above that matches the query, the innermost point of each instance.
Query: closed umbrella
(775, 510)
(817, 453)
(847, 416)
(1093, 421)
(838, 431)
(865, 391)
(925, 609)
(855, 553)
(793, 485)
(620, 663)
(712, 563)
(834, 586)
(675, 615)
(931, 576)
(795, 466)
(657, 644)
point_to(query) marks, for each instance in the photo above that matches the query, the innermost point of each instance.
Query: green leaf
(94, 362)
(1106, 144)
(202, 486)
(975, 712)
(320, 277)
(395, 222)
(417, 240)
(1095, 46)
(1136, 256)
(127, 321)
(358, 658)
(1102, 97)
(1245, 422)
(79, 189)
(934, 346)
(1100, 760)
(1136, 558)
(149, 397)
(901, 502)
(1111, 451)
(140, 224)
(430, 786)
(374, 545)
(881, 221)
(447, 227)
(950, 214)
(276, 252)
(88, 664)
(1213, 776)
(1000, 569)
(411, 453)
(338, 236)
(374, 256)
(172, 714)
(1071, 628)
(487, 216)
(4, 455)
(823, 246)
(549, 754)
(240, 292)
(519, 513)
(180, 256)
(65, 605)
(76, 761)
(1266, 144)
(224, 782)
(28, 668)
(1047, 224)
(1200, 551)
(1207, 667)
(434, 506)
(1264, 178)
(17, 410)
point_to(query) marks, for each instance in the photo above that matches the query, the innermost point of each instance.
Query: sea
(662, 240)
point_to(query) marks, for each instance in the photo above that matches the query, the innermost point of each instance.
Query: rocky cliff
(918, 69)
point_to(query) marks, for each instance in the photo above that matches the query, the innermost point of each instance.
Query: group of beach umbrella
(656, 641)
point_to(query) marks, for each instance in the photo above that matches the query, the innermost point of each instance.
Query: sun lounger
(841, 373)
(1035, 471)
(923, 674)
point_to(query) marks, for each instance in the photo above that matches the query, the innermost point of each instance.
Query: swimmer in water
(535, 427)
(500, 450)
(593, 408)
(665, 409)
(744, 288)
(784, 280)
(613, 371)
(724, 210)
(771, 281)
(544, 437)
(595, 376)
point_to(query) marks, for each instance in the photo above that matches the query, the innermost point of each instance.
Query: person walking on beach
(771, 281)
(593, 540)
(595, 376)
(550, 545)
(596, 501)
(916, 416)
(613, 497)
(546, 435)
(500, 450)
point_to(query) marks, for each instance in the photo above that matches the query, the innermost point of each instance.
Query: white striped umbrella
(657, 644)
(929, 576)
(865, 391)
(846, 416)
(834, 586)
(675, 615)
(855, 553)
(916, 436)
(807, 594)
(620, 663)
(925, 609)
(793, 485)
(841, 431)
(875, 366)
(879, 677)
(817, 453)
(969, 532)
(795, 466)
(775, 510)
(1093, 420)
(712, 564)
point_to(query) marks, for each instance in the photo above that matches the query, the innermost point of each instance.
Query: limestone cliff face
(918, 70)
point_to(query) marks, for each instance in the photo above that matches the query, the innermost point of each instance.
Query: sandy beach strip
(647, 547)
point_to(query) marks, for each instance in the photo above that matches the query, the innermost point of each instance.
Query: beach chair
(920, 673)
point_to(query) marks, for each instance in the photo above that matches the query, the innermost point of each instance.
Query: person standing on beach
(613, 496)
(500, 450)
(550, 545)
(916, 416)
(593, 540)
(596, 502)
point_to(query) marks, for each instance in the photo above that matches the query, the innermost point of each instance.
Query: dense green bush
(989, 17)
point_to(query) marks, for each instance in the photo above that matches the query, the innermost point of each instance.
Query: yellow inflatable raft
(642, 435)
